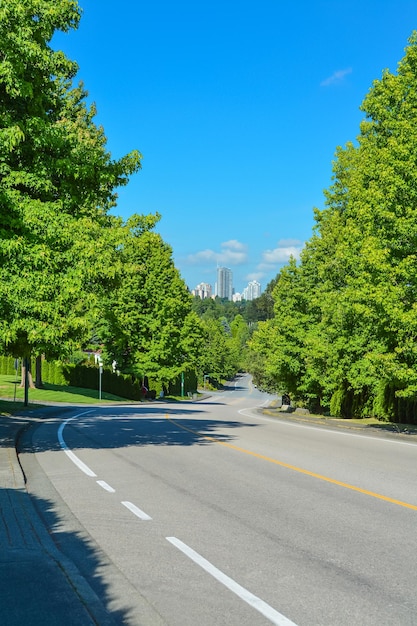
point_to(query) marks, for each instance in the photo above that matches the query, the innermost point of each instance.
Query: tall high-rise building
(252, 291)
(224, 285)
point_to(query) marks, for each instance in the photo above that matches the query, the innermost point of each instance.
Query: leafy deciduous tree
(57, 183)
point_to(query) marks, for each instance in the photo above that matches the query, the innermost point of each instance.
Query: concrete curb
(337, 424)
(62, 586)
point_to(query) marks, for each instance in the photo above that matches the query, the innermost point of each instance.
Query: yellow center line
(300, 470)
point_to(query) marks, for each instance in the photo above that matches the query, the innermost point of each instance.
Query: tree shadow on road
(51, 572)
(95, 428)
(128, 427)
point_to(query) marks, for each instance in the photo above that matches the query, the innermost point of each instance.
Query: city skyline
(226, 287)
(237, 140)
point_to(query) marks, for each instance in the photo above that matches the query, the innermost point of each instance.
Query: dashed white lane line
(136, 511)
(83, 467)
(105, 486)
(262, 607)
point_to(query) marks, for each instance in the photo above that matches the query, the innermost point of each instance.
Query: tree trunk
(29, 374)
(38, 373)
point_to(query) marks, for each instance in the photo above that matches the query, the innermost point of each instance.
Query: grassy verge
(11, 390)
(371, 422)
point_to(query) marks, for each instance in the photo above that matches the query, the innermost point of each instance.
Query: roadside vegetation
(360, 423)
(337, 330)
(73, 275)
(11, 390)
(343, 338)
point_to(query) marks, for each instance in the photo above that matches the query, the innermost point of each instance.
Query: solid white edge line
(82, 466)
(262, 607)
(323, 429)
(105, 486)
(136, 511)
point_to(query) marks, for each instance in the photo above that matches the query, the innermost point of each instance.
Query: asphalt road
(210, 513)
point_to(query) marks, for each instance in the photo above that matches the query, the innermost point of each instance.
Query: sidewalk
(39, 585)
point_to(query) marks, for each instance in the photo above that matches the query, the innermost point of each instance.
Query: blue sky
(237, 108)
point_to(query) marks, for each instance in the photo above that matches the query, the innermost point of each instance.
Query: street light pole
(100, 372)
(26, 380)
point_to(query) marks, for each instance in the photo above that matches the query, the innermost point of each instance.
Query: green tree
(345, 327)
(279, 341)
(262, 308)
(57, 184)
(149, 326)
(375, 198)
(238, 342)
(226, 335)
(214, 358)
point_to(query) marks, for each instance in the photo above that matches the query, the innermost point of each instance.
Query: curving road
(212, 513)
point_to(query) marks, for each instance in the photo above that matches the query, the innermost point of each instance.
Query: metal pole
(16, 366)
(26, 381)
(100, 371)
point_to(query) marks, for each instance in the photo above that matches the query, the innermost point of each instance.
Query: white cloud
(232, 252)
(255, 276)
(282, 253)
(233, 244)
(336, 78)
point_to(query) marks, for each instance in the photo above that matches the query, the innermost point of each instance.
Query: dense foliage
(56, 186)
(344, 332)
(147, 324)
(69, 270)
(227, 328)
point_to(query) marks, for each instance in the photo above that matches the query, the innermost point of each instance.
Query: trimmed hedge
(87, 377)
(7, 365)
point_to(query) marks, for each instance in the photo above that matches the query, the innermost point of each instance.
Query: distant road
(210, 513)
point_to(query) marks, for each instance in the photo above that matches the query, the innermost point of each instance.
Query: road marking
(82, 466)
(105, 486)
(74, 458)
(136, 511)
(336, 429)
(262, 607)
(300, 470)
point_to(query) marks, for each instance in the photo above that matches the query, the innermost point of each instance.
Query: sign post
(16, 366)
(100, 372)
(26, 380)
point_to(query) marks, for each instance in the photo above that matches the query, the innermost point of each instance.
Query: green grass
(366, 421)
(51, 393)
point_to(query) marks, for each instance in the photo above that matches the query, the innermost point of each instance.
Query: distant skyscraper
(203, 290)
(252, 291)
(224, 285)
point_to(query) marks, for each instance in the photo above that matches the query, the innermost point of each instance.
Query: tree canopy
(344, 332)
(148, 325)
(57, 184)
(69, 269)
